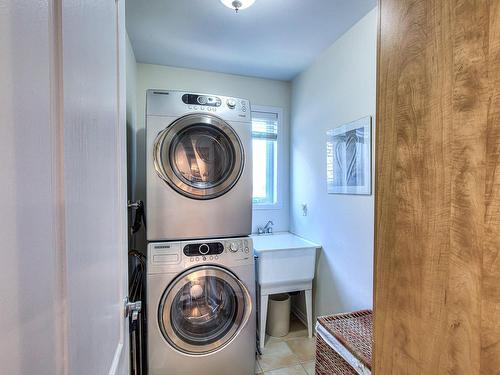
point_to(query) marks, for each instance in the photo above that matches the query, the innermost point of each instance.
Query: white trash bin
(278, 315)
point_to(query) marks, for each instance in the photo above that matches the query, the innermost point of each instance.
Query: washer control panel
(174, 255)
(238, 246)
(206, 248)
(220, 251)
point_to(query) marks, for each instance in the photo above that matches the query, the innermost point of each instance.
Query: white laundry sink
(284, 259)
(285, 263)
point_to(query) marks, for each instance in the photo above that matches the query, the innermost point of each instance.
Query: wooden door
(437, 261)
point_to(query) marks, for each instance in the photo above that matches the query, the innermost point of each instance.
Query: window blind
(265, 125)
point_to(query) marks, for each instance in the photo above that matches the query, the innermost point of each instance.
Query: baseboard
(300, 315)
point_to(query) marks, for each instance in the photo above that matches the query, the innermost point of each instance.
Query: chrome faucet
(268, 228)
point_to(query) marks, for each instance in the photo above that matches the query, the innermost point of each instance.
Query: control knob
(204, 249)
(233, 247)
(231, 103)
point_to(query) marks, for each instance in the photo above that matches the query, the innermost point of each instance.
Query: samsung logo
(162, 247)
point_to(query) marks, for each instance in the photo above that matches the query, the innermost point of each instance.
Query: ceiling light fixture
(237, 5)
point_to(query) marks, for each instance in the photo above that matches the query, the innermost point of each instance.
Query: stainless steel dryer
(200, 306)
(199, 173)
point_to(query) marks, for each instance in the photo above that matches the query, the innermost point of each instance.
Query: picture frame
(349, 158)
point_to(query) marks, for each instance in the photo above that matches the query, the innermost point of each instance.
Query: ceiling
(272, 39)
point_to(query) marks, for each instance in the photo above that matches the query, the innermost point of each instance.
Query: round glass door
(200, 156)
(203, 309)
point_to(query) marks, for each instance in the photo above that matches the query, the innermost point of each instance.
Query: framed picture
(348, 155)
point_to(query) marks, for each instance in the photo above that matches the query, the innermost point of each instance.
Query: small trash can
(278, 315)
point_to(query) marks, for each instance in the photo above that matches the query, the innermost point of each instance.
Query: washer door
(199, 155)
(203, 309)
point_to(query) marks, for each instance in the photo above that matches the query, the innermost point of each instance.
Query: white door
(63, 187)
(95, 184)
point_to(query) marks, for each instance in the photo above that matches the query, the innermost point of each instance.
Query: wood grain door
(437, 261)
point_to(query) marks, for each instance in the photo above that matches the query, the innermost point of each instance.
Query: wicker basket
(344, 344)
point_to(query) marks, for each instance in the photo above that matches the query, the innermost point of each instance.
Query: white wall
(258, 91)
(337, 88)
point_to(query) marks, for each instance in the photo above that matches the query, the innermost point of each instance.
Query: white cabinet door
(95, 185)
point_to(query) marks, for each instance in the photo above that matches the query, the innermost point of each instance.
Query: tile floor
(289, 355)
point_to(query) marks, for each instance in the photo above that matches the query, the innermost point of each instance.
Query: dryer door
(199, 155)
(203, 310)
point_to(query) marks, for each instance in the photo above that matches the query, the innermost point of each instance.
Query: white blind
(265, 125)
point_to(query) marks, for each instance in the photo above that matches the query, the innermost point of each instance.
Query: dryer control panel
(201, 99)
(174, 103)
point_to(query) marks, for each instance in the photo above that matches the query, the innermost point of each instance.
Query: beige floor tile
(294, 370)
(277, 355)
(309, 367)
(297, 329)
(271, 339)
(303, 347)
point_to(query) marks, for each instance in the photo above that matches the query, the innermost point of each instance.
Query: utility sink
(285, 263)
(284, 258)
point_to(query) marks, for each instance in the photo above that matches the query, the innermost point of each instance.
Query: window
(266, 124)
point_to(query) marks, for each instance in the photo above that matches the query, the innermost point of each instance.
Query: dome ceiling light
(237, 5)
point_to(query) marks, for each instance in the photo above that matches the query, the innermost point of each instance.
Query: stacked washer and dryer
(200, 277)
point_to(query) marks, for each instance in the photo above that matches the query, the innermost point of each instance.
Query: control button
(243, 109)
(197, 258)
(247, 250)
(204, 258)
(216, 257)
(191, 259)
(233, 247)
(231, 103)
(202, 100)
(211, 257)
(204, 249)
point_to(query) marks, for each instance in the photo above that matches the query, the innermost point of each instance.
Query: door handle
(132, 309)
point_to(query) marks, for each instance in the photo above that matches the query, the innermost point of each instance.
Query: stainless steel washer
(200, 303)
(199, 173)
